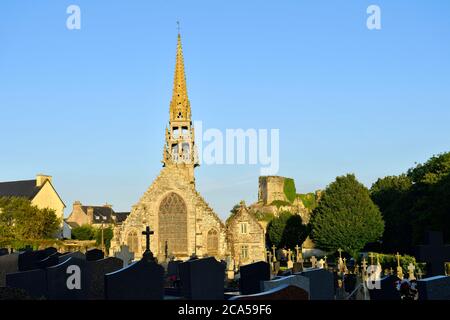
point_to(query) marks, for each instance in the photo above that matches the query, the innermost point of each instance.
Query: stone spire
(180, 109)
(180, 149)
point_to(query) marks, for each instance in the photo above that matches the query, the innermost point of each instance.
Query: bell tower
(179, 149)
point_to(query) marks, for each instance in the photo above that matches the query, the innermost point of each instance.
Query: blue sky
(90, 106)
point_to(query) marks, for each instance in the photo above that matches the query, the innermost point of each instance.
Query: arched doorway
(212, 245)
(173, 226)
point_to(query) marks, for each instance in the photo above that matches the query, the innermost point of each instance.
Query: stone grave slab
(76, 255)
(434, 288)
(321, 284)
(34, 282)
(8, 264)
(96, 271)
(283, 293)
(94, 255)
(294, 280)
(67, 280)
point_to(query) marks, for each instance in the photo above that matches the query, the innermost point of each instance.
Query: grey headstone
(251, 277)
(34, 282)
(202, 279)
(94, 255)
(68, 280)
(434, 288)
(8, 264)
(28, 260)
(96, 271)
(321, 284)
(297, 267)
(294, 280)
(142, 280)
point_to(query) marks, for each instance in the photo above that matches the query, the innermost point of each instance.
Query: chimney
(90, 214)
(41, 179)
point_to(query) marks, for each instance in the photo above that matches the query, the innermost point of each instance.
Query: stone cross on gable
(147, 233)
(313, 261)
(435, 254)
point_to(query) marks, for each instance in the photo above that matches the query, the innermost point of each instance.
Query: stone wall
(271, 188)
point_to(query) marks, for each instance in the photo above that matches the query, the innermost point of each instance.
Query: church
(184, 224)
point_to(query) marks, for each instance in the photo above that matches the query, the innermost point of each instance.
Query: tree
(108, 234)
(19, 219)
(346, 217)
(84, 232)
(287, 230)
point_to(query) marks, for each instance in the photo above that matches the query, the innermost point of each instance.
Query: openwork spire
(180, 109)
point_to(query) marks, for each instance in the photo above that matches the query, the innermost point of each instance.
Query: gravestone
(50, 261)
(28, 260)
(281, 293)
(125, 255)
(172, 269)
(321, 284)
(435, 254)
(252, 276)
(67, 280)
(4, 252)
(77, 255)
(202, 279)
(142, 280)
(298, 267)
(94, 255)
(434, 288)
(96, 271)
(8, 264)
(34, 282)
(350, 281)
(294, 280)
(388, 289)
(275, 267)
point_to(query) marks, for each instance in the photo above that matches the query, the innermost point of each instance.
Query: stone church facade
(183, 223)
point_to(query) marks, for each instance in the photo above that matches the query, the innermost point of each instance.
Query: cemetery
(51, 275)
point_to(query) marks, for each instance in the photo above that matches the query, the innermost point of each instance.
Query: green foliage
(309, 200)
(287, 230)
(84, 232)
(264, 216)
(289, 189)
(415, 202)
(280, 203)
(19, 219)
(107, 237)
(346, 217)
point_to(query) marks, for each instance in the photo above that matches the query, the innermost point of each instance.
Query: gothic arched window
(173, 225)
(133, 242)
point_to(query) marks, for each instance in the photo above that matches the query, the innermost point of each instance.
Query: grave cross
(297, 249)
(147, 233)
(411, 269)
(399, 267)
(289, 255)
(372, 256)
(274, 253)
(435, 254)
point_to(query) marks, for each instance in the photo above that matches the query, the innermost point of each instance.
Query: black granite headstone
(202, 279)
(76, 254)
(321, 284)
(50, 261)
(28, 260)
(34, 282)
(96, 271)
(251, 277)
(435, 254)
(94, 254)
(434, 288)
(387, 291)
(142, 280)
(68, 280)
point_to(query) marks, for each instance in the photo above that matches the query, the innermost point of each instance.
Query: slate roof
(103, 214)
(24, 189)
